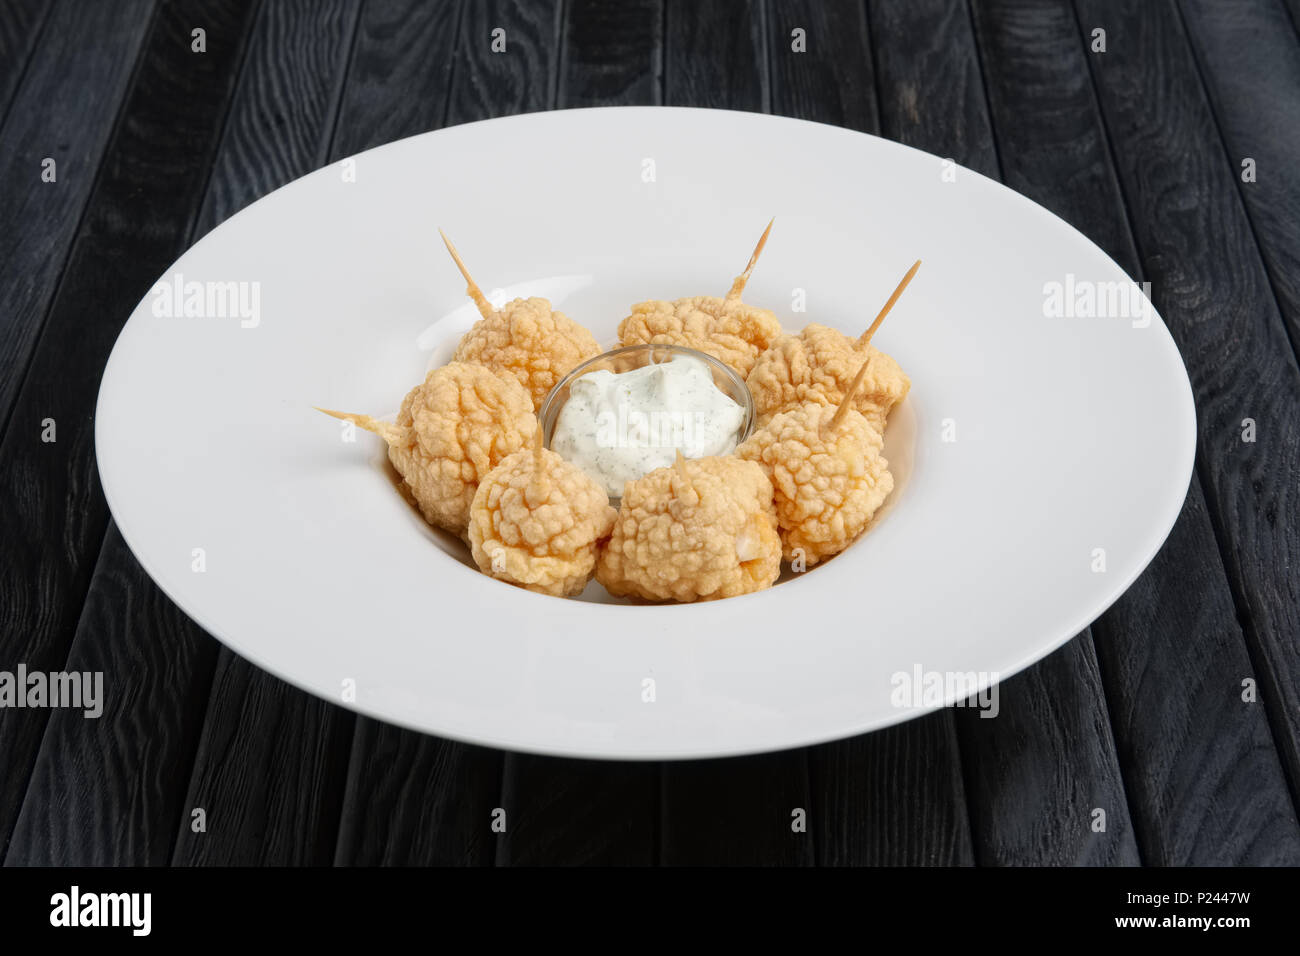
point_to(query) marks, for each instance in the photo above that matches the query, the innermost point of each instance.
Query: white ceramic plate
(1073, 435)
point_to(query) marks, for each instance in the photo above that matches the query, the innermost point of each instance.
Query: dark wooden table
(1177, 713)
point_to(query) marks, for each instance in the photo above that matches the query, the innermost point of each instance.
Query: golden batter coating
(698, 531)
(817, 366)
(525, 339)
(734, 333)
(528, 340)
(730, 330)
(829, 477)
(452, 429)
(536, 521)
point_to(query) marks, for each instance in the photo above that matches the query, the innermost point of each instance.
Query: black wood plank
(400, 75)
(105, 791)
(612, 53)
(892, 798)
(268, 774)
(280, 127)
(715, 55)
(1250, 63)
(1041, 770)
(929, 85)
(1178, 621)
(520, 78)
(1211, 286)
(1203, 776)
(415, 800)
(113, 770)
(821, 62)
(20, 29)
(1053, 146)
(570, 812)
(286, 105)
(63, 110)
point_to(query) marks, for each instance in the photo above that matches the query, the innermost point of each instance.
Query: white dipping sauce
(619, 426)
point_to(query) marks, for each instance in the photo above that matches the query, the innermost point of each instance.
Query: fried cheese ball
(697, 531)
(530, 341)
(461, 423)
(817, 366)
(525, 339)
(536, 521)
(829, 477)
(732, 331)
(452, 429)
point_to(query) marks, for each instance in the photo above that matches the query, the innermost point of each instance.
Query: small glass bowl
(638, 356)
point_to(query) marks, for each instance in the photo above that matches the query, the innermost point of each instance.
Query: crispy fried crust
(828, 480)
(698, 531)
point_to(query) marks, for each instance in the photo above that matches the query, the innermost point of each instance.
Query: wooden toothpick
(393, 434)
(847, 400)
(539, 485)
(866, 336)
(473, 291)
(738, 286)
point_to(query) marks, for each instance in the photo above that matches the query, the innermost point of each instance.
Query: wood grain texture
(1053, 145)
(20, 30)
(928, 81)
(830, 81)
(272, 761)
(1178, 621)
(892, 798)
(578, 812)
(715, 55)
(268, 774)
(1038, 771)
(400, 75)
(1211, 287)
(286, 104)
(519, 79)
(64, 110)
(612, 53)
(162, 150)
(1249, 60)
(1203, 776)
(416, 800)
(105, 791)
